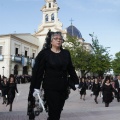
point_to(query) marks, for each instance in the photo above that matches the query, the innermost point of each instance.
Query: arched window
(52, 17)
(46, 18)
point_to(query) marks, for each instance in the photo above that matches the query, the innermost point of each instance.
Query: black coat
(96, 89)
(4, 88)
(12, 88)
(83, 87)
(107, 93)
(53, 69)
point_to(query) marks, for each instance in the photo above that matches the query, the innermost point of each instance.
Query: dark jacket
(96, 88)
(52, 69)
(116, 84)
(4, 88)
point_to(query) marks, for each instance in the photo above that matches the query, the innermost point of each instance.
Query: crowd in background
(108, 88)
(8, 87)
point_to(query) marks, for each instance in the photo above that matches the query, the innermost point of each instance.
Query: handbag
(71, 83)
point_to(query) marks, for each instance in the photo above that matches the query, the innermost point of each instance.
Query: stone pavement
(74, 109)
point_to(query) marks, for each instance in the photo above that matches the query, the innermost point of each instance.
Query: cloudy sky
(99, 16)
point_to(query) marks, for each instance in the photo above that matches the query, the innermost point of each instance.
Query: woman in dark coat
(12, 89)
(52, 66)
(96, 89)
(82, 87)
(108, 91)
(4, 86)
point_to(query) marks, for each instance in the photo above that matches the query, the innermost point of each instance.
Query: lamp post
(3, 70)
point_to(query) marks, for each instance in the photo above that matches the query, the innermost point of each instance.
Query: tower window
(49, 5)
(46, 18)
(52, 17)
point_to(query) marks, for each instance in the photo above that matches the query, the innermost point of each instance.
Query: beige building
(17, 51)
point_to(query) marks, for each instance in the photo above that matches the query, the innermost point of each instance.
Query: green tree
(116, 64)
(81, 58)
(98, 61)
(102, 59)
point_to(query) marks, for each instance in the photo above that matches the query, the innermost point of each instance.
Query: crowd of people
(108, 88)
(8, 86)
(55, 73)
(53, 66)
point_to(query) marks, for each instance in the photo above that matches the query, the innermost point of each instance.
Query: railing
(1, 57)
(25, 61)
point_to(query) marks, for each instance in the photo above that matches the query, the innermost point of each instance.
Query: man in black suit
(117, 87)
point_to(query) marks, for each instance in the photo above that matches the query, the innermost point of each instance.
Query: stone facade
(15, 49)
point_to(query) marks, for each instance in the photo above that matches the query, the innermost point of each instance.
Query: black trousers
(55, 101)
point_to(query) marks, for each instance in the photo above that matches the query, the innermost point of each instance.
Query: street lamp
(3, 70)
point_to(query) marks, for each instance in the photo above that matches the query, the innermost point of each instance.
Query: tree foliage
(102, 62)
(81, 58)
(116, 64)
(86, 61)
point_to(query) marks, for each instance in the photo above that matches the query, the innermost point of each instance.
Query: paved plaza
(74, 109)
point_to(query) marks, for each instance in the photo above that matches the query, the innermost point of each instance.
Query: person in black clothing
(108, 91)
(96, 89)
(4, 86)
(52, 66)
(12, 88)
(117, 87)
(82, 87)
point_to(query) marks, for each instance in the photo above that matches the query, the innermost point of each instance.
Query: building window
(46, 18)
(33, 55)
(49, 5)
(1, 49)
(52, 17)
(26, 53)
(16, 51)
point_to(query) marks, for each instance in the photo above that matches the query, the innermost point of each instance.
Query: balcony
(25, 61)
(16, 58)
(1, 57)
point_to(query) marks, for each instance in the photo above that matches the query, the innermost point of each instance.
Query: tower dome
(73, 31)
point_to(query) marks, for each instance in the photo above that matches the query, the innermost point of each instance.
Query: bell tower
(50, 12)
(49, 20)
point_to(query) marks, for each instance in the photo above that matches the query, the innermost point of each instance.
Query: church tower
(50, 12)
(49, 21)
